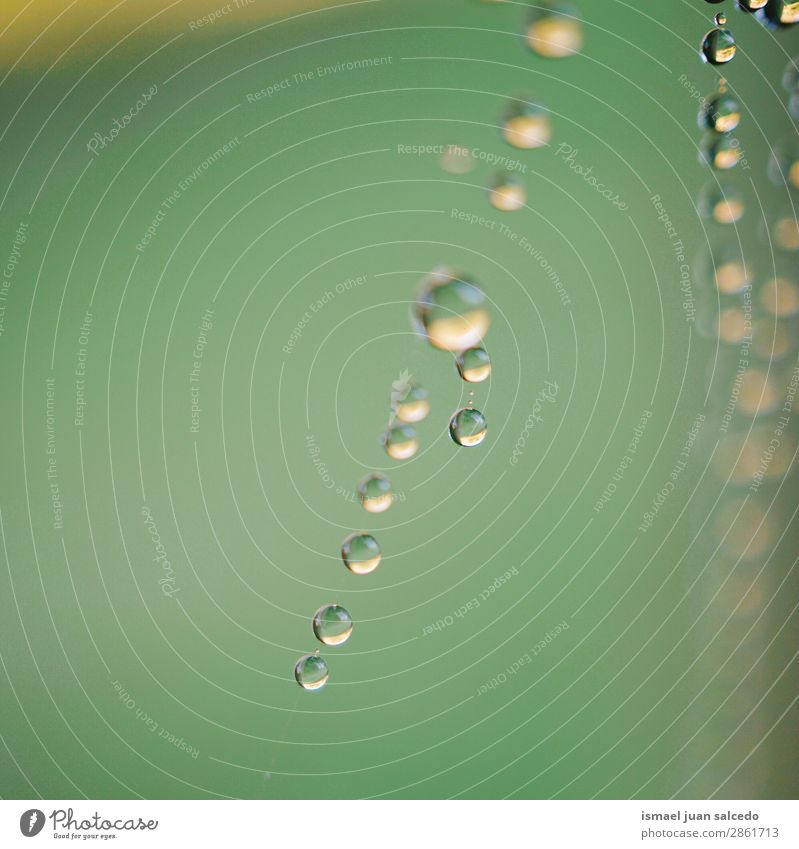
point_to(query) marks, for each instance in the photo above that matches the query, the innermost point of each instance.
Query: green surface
(635, 670)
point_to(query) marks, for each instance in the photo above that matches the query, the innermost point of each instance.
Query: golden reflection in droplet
(771, 338)
(757, 394)
(732, 276)
(780, 297)
(555, 37)
(732, 325)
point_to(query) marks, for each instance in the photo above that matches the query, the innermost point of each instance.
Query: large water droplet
(507, 193)
(311, 672)
(375, 493)
(474, 365)
(718, 47)
(332, 625)
(526, 125)
(451, 310)
(468, 427)
(782, 12)
(360, 553)
(554, 29)
(400, 442)
(411, 403)
(752, 5)
(721, 113)
(785, 231)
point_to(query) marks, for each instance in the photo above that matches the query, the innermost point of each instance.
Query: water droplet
(722, 203)
(721, 113)
(507, 192)
(375, 493)
(731, 273)
(784, 163)
(780, 297)
(360, 553)
(785, 231)
(526, 125)
(474, 365)
(790, 76)
(451, 310)
(782, 12)
(554, 29)
(457, 160)
(411, 403)
(752, 5)
(721, 152)
(468, 427)
(721, 19)
(400, 442)
(311, 672)
(332, 625)
(718, 47)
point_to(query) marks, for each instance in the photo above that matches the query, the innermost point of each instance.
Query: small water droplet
(411, 403)
(360, 553)
(721, 152)
(554, 29)
(311, 672)
(721, 19)
(718, 47)
(474, 365)
(400, 442)
(332, 625)
(721, 113)
(375, 493)
(468, 427)
(721, 202)
(526, 125)
(507, 193)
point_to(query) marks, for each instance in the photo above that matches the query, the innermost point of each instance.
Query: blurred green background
(603, 657)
